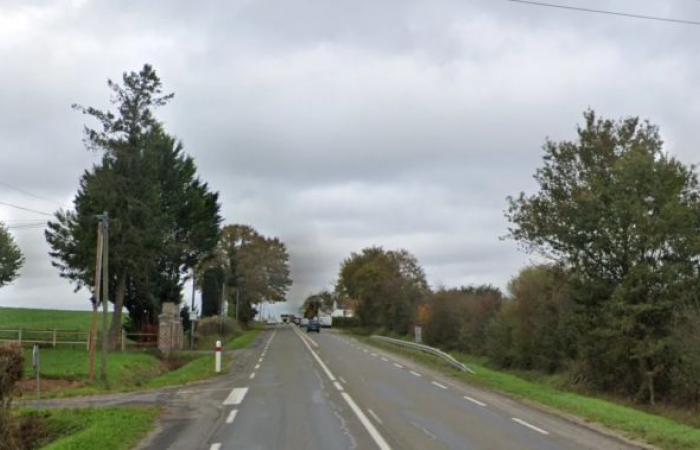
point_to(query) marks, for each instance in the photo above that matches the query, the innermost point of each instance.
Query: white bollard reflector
(217, 357)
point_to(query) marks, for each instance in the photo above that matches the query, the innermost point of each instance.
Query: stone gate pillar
(170, 331)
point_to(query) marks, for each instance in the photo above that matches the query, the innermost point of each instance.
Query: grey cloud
(337, 125)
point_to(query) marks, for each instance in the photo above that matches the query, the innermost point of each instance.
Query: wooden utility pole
(105, 293)
(96, 292)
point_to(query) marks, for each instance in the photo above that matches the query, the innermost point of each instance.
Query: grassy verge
(105, 428)
(202, 367)
(656, 430)
(64, 371)
(244, 340)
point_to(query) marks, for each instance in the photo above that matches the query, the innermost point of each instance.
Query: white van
(325, 321)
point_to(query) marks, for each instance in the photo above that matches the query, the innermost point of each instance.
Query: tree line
(165, 225)
(614, 305)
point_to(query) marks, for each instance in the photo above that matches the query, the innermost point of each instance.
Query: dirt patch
(47, 385)
(170, 364)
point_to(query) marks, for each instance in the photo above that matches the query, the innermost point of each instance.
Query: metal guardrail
(426, 349)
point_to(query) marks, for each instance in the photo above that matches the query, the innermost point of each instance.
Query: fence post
(54, 338)
(19, 336)
(123, 340)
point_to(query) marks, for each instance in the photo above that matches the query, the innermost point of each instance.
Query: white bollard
(217, 357)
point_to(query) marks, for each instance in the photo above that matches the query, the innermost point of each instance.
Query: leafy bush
(533, 330)
(214, 326)
(458, 318)
(11, 370)
(345, 322)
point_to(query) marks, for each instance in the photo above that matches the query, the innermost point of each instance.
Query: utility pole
(104, 220)
(96, 298)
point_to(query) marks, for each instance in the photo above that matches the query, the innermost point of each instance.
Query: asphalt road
(328, 391)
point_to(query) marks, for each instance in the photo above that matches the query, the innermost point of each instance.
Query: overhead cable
(603, 11)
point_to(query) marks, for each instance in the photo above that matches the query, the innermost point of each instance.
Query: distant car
(313, 325)
(304, 322)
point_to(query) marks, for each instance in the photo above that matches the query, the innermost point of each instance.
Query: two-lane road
(328, 391)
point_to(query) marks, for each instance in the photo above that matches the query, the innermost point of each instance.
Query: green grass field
(106, 428)
(656, 430)
(44, 319)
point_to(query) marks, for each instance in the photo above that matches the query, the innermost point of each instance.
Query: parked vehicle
(304, 322)
(313, 325)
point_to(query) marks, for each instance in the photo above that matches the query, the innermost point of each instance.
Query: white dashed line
(384, 359)
(441, 386)
(415, 373)
(236, 396)
(374, 354)
(342, 380)
(231, 416)
(260, 360)
(530, 426)
(252, 375)
(365, 350)
(473, 400)
(376, 417)
(257, 366)
(398, 365)
(216, 446)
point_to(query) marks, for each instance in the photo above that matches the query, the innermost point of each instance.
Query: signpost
(37, 366)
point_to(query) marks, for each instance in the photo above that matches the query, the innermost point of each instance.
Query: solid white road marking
(415, 373)
(473, 400)
(530, 426)
(231, 416)
(236, 396)
(376, 417)
(317, 358)
(374, 354)
(252, 375)
(378, 439)
(216, 446)
(338, 386)
(441, 386)
(398, 365)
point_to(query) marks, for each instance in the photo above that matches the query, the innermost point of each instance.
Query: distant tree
(319, 303)
(388, 286)
(625, 217)
(11, 258)
(255, 269)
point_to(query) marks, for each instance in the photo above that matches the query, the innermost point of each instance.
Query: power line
(38, 197)
(26, 227)
(43, 213)
(612, 13)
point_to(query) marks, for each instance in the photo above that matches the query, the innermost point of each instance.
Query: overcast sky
(336, 125)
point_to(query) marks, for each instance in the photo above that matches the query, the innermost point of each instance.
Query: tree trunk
(116, 326)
